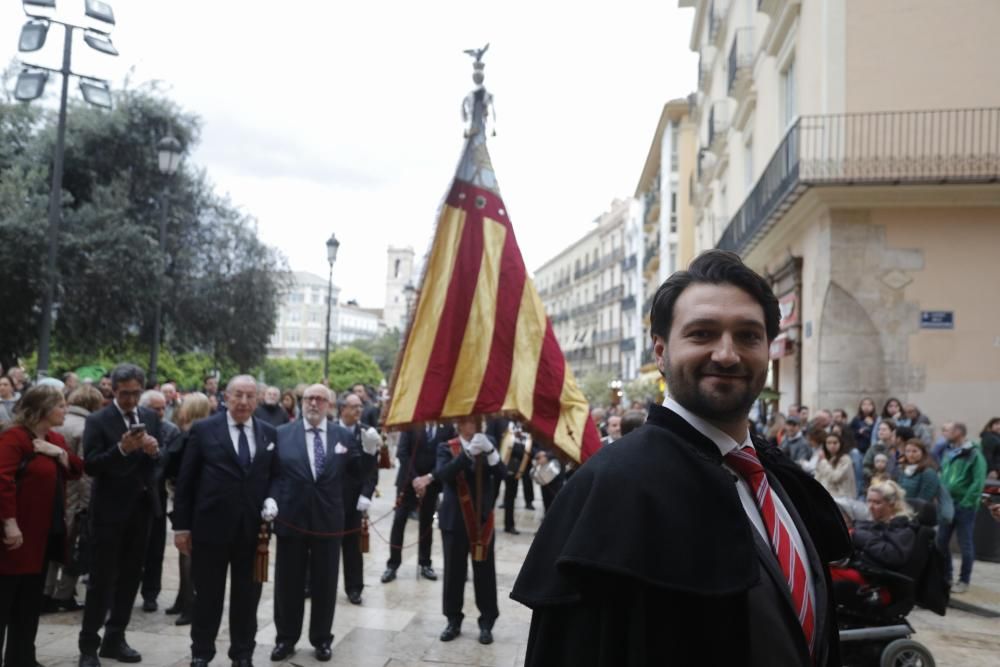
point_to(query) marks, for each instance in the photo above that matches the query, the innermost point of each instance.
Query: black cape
(646, 555)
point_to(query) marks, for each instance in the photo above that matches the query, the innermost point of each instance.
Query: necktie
(430, 433)
(244, 447)
(130, 416)
(319, 455)
(745, 462)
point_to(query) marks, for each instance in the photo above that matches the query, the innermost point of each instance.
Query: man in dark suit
(688, 541)
(360, 480)
(467, 529)
(370, 411)
(417, 456)
(314, 463)
(222, 496)
(120, 447)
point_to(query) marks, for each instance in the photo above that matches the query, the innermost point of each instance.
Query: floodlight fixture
(100, 43)
(101, 11)
(169, 152)
(96, 92)
(50, 4)
(30, 85)
(33, 36)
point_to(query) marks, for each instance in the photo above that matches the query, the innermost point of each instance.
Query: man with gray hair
(230, 461)
(270, 409)
(152, 573)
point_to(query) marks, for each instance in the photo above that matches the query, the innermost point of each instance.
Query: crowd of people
(92, 474)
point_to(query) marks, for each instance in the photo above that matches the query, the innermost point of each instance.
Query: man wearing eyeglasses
(309, 491)
(121, 443)
(358, 444)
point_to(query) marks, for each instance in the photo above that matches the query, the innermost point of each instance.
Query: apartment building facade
(589, 290)
(850, 151)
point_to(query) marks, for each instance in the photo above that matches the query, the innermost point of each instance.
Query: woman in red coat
(34, 466)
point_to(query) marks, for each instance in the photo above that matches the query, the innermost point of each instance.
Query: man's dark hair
(905, 432)
(632, 419)
(125, 372)
(717, 267)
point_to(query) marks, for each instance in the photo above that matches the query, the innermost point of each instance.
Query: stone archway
(851, 358)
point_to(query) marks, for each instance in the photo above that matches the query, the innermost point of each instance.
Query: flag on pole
(479, 341)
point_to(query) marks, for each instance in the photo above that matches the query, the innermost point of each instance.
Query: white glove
(493, 458)
(370, 441)
(480, 444)
(270, 511)
(364, 504)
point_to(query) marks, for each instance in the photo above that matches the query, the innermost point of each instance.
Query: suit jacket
(647, 557)
(315, 504)
(418, 456)
(216, 499)
(119, 481)
(449, 467)
(361, 470)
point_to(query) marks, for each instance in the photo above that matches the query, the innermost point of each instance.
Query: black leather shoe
(281, 651)
(183, 619)
(49, 605)
(149, 605)
(89, 660)
(354, 597)
(69, 605)
(451, 631)
(323, 652)
(388, 575)
(427, 572)
(173, 610)
(199, 662)
(120, 651)
(529, 506)
(485, 636)
(512, 531)
(243, 662)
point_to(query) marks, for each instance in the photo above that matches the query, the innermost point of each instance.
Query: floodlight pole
(55, 211)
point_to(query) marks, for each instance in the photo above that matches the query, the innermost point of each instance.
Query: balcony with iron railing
(706, 60)
(717, 10)
(628, 302)
(878, 148)
(629, 263)
(609, 295)
(608, 336)
(580, 354)
(718, 125)
(740, 70)
(627, 345)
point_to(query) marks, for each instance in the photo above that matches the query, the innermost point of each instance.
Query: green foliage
(644, 391)
(220, 282)
(286, 373)
(594, 386)
(349, 365)
(383, 350)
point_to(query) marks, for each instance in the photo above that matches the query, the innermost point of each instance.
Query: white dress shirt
(311, 450)
(726, 444)
(234, 435)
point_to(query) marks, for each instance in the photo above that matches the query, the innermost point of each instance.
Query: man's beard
(723, 405)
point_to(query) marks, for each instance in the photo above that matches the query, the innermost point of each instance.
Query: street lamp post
(332, 244)
(169, 158)
(30, 85)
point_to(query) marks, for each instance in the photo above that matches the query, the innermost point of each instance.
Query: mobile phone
(137, 428)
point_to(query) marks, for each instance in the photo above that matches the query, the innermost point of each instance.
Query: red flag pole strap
(479, 534)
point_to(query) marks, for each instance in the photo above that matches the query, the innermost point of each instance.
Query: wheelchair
(872, 618)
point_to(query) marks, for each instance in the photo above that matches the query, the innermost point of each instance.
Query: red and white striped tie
(745, 462)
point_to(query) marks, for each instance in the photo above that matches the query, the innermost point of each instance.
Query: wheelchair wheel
(906, 653)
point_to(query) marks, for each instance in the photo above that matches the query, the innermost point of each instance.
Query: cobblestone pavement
(398, 623)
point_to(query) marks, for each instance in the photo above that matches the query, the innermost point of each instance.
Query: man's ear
(659, 352)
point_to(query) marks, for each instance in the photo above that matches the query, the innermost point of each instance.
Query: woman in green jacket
(917, 475)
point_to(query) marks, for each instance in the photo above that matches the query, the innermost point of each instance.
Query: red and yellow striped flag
(480, 342)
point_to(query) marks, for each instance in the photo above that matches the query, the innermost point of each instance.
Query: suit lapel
(302, 449)
(226, 441)
(333, 460)
(262, 454)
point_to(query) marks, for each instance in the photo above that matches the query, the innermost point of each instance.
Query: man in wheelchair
(895, 566)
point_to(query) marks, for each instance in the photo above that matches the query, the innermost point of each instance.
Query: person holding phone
(121, 443)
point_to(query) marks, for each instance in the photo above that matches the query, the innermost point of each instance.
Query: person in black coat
(467, 523)
(417, 456)
(360, 480)
(121, 443)
(660, 548)
(222, 495)
(309, 490)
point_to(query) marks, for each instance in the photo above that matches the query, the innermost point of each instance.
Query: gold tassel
(363, 542)
(263, 554)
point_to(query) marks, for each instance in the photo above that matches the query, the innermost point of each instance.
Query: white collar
(233, 423)
(124, 414)
(322, 426)
(722, 440)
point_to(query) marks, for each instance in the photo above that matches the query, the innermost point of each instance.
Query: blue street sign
(937, 319)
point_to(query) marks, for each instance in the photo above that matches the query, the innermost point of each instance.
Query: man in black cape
(688, 542)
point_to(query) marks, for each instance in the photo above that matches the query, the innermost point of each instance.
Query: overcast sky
(345, 116)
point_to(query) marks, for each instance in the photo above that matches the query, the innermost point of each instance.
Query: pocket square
(339, 449)
(270, 447)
